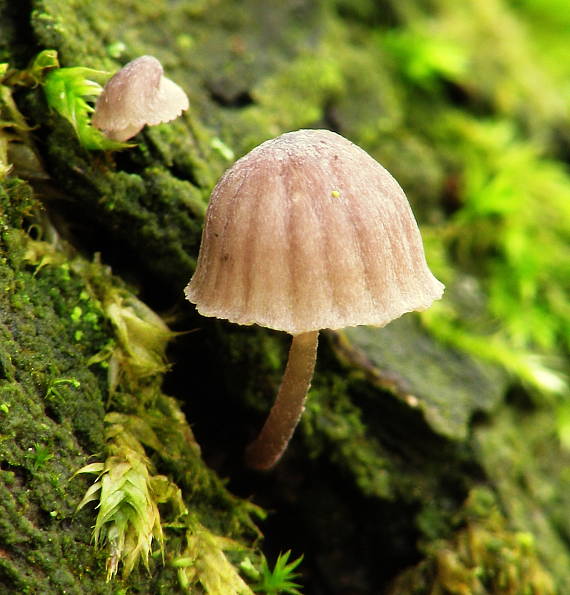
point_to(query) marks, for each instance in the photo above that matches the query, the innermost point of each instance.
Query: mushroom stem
(289, 404)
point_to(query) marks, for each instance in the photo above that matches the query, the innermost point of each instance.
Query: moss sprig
(70, 92)
(128, 519)
(282, 578)
(203, 563)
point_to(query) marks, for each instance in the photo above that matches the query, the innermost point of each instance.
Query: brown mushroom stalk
(289, 404)
(308, 232)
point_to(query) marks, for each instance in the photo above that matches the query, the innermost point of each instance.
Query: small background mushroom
(138, 95)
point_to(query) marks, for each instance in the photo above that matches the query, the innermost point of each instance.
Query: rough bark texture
(428, 459)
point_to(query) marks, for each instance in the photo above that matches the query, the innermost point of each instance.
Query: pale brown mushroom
(135, 96)
(308, 232)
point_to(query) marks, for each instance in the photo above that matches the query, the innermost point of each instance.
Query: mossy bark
(408, 447)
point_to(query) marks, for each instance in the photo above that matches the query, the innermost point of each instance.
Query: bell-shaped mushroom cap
(305, 232)
(138, 94)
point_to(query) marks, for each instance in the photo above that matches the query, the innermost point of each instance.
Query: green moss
(483, 556)
(295, 98)
(524, 460)
(16, 203)
(44, 434)
(332, 424)
(71, 338)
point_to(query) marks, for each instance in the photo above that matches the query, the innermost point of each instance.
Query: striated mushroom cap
(306, 232)
(138, 94)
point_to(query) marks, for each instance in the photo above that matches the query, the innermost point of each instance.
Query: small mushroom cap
(306, 232)
(138, 94)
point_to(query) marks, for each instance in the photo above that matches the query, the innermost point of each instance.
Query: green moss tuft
(483, 557)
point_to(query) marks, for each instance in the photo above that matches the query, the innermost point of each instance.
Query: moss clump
(74, 340)
(146, 430)
(524, 460)
(51, 415)
(17, 203)
(483, 557)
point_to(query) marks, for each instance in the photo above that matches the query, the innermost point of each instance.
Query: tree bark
(415, 456)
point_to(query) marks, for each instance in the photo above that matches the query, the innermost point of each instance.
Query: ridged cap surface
(306, 232)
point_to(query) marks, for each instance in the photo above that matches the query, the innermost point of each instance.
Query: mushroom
(138, 94)
(308, 232)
